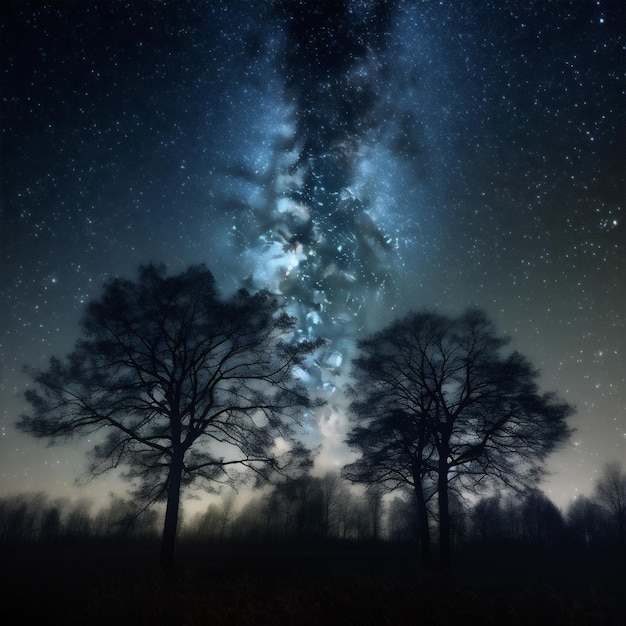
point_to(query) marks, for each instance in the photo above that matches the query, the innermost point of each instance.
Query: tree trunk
(168, 539)
(444, 514)
(422, 518)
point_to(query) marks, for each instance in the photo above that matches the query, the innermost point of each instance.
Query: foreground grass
(290, 588)
(280, 600)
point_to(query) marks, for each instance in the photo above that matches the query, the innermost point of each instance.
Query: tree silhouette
(542, 522)
(333, 492)
(178, 385)
(610, 492)
(395, 450)
(436, 405)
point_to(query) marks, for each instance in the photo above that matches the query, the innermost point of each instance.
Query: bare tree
(205, 525)
(487, 519)
(22, 517)
(610, 492)
(435, 402)
(375, 509)
(393, 442)
(226, 512)
(347, 514)
(401, 518)
(585, 521)
(78, 523)
(123, 519)
(541, 521)
(333, 491)
(178, 385)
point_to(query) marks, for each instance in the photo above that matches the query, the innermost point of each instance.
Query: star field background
(361, 160)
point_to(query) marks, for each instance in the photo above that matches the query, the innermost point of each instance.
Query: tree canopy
(437, 405)
(177, 385)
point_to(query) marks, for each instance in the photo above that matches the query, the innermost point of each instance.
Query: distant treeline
(322, 509)
(37, 518)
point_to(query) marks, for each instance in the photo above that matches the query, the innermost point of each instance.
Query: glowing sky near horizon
(360, 159)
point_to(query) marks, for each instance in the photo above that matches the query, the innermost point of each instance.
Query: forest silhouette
(314, 549)
(182, 387)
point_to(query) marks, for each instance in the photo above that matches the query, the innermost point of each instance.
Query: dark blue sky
(364, 159)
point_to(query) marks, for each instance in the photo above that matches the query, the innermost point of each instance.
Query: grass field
(374, 585)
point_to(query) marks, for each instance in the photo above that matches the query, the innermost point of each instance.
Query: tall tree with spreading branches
(178, 385)
(436, 405)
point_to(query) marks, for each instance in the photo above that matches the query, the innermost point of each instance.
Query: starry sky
(360, 159)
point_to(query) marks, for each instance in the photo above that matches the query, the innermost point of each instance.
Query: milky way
(358, 159)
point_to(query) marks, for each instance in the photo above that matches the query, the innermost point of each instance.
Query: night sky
(360, 160)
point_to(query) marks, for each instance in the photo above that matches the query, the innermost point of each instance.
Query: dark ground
(118, 585)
